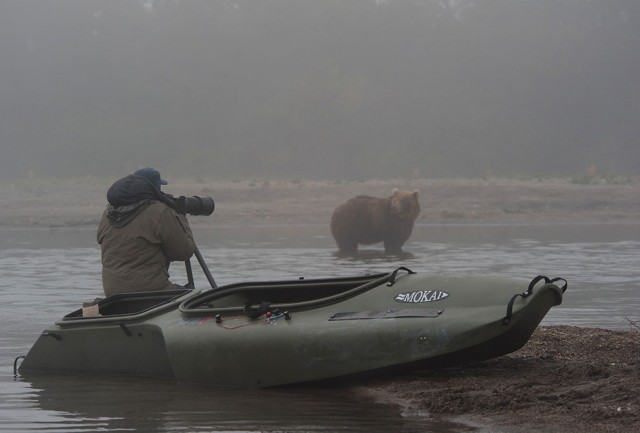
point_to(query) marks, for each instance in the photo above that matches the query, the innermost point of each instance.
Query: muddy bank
(80, 201)
(565, 380)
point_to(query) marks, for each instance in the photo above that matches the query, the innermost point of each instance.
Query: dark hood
(131, 189)
(128, 197)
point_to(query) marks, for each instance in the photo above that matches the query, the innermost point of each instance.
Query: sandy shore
(80, 201)
(565, 379)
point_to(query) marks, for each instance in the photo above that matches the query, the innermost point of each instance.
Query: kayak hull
(278, 333)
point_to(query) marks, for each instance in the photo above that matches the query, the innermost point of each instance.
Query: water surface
(47, 273)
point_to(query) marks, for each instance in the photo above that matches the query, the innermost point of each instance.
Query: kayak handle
(15, 365)
(392, 277)
(507, 317)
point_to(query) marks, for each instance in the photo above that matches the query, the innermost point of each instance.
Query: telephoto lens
(196, 205)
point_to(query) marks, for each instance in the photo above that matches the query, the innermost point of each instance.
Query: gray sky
(320, 89)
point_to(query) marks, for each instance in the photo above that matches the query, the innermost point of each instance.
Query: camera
(191, 205)
(195, 205)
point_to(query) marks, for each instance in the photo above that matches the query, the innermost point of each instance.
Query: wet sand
(565, 379)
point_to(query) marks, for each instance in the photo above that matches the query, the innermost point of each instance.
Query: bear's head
(404, 204)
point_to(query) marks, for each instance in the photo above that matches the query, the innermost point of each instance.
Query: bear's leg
(347, 248)
(392, 247)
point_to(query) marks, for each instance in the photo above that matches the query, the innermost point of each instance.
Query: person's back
(139, 236)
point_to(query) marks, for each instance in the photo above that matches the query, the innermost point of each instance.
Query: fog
(319, 89)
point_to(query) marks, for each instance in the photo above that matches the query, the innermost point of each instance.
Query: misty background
(326, 89)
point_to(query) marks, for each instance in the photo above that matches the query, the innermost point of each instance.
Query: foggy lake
(50, 272)
(328, 90)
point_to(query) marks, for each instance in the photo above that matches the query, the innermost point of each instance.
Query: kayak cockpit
(129, 306)
(282, 295)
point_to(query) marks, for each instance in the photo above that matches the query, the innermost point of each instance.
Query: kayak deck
(256, 334)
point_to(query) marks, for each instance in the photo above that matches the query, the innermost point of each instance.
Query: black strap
(392, 277)
(255, 313)
(564, 286)
(533, 282)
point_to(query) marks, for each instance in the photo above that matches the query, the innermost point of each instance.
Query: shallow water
(46, 273)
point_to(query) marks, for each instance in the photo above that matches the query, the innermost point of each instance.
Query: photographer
(142, 231)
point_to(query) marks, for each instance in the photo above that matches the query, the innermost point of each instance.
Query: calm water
(46, 273)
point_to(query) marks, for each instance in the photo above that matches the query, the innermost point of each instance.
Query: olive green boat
(259, 334)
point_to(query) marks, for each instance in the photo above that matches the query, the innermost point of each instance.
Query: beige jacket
(136, 257)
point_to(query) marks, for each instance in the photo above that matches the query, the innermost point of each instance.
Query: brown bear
(367, 220)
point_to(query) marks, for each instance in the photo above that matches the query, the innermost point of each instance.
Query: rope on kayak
(392, 277)
(270, 317)
(523, 295)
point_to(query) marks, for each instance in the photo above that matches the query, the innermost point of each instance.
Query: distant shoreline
(80, 202)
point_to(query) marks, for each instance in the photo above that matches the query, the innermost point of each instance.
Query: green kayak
(270, 333)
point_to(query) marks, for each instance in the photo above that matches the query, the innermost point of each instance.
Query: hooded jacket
(139, 235)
